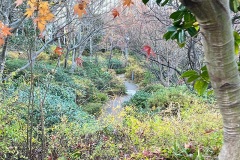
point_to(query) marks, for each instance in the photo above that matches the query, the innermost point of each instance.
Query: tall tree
(214, 20)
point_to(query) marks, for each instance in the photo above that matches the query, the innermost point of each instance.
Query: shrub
(115, 64)
(171, 96)
(140, 100)
(100, 97)
(153, 88)
(14, 64)
(93, 108)
(148, 78)
(120, 71)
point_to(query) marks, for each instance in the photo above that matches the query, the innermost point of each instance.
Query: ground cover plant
(63, 63)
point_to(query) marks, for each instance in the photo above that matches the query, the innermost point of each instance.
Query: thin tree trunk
(91, 49)
(3, 58)
(66, 58)
(111, 53)
(215, 23)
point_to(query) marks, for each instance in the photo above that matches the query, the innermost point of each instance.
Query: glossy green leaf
(181, 36)
(158, 1)
(189, 73)
(192, 78)
(210, 92)
(174, 35)
(172, 28)
(200, 86)
(204, 68)
(178, 23)
(234, 5)
(164, 2)
(205, 76)
(168, 35)
(145, 1)
(236, 46)
(236, 37)
(188, 17)
(236, 41)
(177, 15)
(192, 31)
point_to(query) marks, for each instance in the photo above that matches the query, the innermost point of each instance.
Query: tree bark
(3, 58)
(215, 24)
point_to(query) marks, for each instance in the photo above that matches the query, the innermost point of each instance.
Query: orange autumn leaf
(115, 13)
(127, 3)
(18, 2)
(80, 8)
(58, 51)
(5, 31)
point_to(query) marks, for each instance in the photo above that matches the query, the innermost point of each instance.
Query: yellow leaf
(29, 12)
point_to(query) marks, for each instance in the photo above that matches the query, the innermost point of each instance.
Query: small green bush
(149, 78)
(120, 71)
(165, 97)
(140, 100)
(14, 64)
(100, 97)
(93, 108)
(153, 88)
(115, 64)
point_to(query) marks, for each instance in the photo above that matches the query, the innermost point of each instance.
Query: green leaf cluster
(236, 41)
(201, 79)
(234, 5)
(183, 22)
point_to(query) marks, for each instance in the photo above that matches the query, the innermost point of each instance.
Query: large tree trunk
(215, 23)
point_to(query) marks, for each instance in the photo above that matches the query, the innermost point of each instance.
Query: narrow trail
(114, 106)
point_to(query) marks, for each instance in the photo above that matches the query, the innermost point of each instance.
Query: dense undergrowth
(157, 123)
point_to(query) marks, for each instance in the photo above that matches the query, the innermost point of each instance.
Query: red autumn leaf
(79, 61)
(58, 51)
(115, 13)
(149, 51)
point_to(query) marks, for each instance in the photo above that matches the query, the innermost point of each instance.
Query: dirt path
(114, 106)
